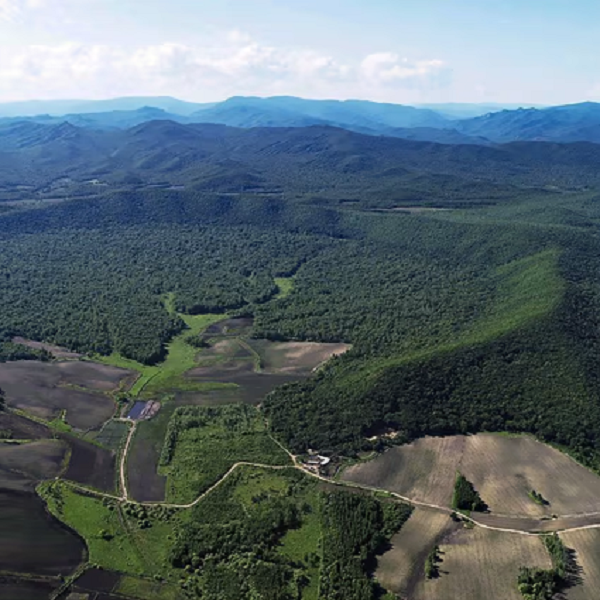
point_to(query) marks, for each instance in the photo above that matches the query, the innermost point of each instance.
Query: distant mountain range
(309, 161)
(444, 123)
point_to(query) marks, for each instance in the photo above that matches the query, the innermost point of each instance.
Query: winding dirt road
(505, 523)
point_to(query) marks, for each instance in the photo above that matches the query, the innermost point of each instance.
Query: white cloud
(594, 93)
(389, 68)
(236, 65)
(10, 10)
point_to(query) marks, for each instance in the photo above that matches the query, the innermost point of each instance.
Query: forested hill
(41, 159)
(482, 316)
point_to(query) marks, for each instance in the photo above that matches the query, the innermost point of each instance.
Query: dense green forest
(355, 529)
(233, 545)
(484, 317)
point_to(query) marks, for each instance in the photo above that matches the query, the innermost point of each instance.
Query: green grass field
(285, 285)
(112, 435)
(148, 589)
(109, 544)
(115, 539)
(203, 443)
(303, 545)
(168, 375)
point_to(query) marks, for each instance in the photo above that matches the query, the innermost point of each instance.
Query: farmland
(401, 568)
(477, 563)
(503, 469)
(90, 464)
(115, 539)
(586, 547)
(33, 541)
(49, 390)
(23, 465)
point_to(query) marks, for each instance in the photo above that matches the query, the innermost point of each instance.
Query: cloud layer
(10, 10)
(236, 65)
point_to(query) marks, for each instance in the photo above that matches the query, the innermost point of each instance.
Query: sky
(401, 51)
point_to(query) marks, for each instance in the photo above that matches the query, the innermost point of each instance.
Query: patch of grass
(303, 545)
(99, 523)
(181, 357)
(147, 589)
(146, 372)
(285, 285)
(112, 435)
(203, 443)
(116, 537)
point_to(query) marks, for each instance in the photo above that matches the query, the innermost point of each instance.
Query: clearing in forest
(203, 443)
(295, 357)
(505, 470)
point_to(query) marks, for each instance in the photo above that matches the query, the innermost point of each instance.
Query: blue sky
(405, 51)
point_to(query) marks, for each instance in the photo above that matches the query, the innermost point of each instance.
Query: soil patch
(24, 589)
(90, 465)
(478, 563)
(22, 466)
(231, 327)
(56, 351)
(226, 372)
(586, 546)
(92, 375)
(37, 388)
(402, 568)
(32, 541)
(503, 469)
(253, 387)
(299, 358)
(424, 470)
(98, 580)
(19, 428)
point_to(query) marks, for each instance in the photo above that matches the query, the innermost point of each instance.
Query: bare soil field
(233, 327)
(226, 372)
(19, 428)
(98, 580)
(90, 465)
(32, 541)
(295, 357)
(424, 470)
(56, 351)
(143, 481)
(22, 466)
(26, 589)
(253, 386)
(227, 347)
(37, 388)
(479, 564)
(503, 469)
(92, 375)
(586, 545)
(401, 569)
